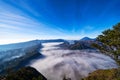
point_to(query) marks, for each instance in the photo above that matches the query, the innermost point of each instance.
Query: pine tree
(110, 40)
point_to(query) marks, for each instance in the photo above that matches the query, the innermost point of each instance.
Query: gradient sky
(22, 20)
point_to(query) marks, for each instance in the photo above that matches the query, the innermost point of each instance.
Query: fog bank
(73, 64)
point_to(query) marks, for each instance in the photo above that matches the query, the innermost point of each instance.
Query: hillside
(20, 45)
(15, 55)
(86, 39)
(26, 73)
(80, 44)
(109, 74)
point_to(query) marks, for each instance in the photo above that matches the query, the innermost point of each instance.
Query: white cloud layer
(74, 64)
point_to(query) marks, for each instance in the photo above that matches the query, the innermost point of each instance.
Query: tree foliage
(110, 41)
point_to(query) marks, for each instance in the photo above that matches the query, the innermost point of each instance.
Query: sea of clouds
(73, 64)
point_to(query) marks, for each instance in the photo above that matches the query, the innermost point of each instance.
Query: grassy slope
(109, 74)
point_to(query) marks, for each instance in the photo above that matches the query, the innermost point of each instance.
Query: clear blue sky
(47, 19)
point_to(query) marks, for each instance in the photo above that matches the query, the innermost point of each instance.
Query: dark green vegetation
(27, 73)
(110, 41)
(110, 74)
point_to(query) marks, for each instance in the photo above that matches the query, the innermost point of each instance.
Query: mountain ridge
(86, 39)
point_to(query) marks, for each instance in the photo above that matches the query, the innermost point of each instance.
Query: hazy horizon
(2, 42)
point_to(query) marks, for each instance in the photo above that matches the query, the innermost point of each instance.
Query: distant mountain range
(12, 55)
(19, 45)
(52, 40)
(26, 44)
(84, 43)
(87, 38)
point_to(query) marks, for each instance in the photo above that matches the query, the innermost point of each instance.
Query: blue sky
(22, 20)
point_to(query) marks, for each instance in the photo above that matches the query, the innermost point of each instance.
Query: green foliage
(110, 40)
(110, 74)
